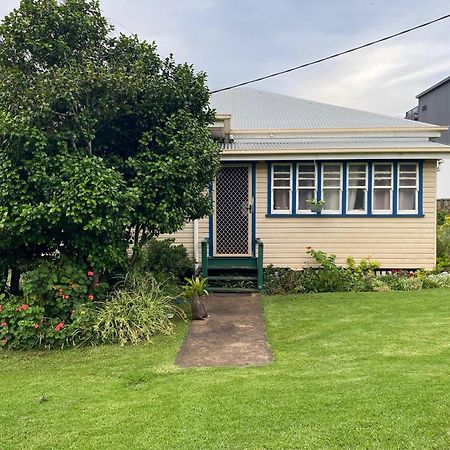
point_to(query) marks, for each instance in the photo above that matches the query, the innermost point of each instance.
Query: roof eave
(432, 88)
(289, 155)
(336, 130)
(340, 150)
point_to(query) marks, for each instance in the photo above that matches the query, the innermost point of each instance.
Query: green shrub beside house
(327, 276)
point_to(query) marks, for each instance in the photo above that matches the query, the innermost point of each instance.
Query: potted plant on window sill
(194, 291)
(315, 205)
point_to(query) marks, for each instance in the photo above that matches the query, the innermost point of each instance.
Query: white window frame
(299, 188)
(416, 187)
(322, 188)
(273, 188)
(365, 188)
(390, 187)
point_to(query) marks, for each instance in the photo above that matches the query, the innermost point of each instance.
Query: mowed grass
(351, 371)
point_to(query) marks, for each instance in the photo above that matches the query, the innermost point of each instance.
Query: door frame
(252, 217)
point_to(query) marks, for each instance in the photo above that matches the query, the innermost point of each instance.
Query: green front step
(232, 278)
(230, 289)
(212, 266)
(232, 263)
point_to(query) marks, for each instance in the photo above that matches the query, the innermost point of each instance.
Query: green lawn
(351, 371)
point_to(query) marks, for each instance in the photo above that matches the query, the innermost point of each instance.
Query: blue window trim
(369, 187)
(343, 184)
(368, 198)
(319, 180)
(211, 222)
(344, 189)
(344, 212)
(420, 196)
(294, 170)
(293, 197)
(419, 173)
(395, 189)
(269, 190)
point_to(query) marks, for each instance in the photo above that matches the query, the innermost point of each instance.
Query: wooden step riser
(232, 263)
(231, 290)
(231, 278)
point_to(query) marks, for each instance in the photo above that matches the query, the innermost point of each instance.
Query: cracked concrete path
(232, 335)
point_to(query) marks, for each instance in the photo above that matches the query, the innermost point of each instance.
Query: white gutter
(288, 156)
(196, 259)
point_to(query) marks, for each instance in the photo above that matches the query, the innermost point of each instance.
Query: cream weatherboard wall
(186, 236)
(396, 242)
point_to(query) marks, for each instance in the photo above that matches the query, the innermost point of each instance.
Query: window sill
(358, 216)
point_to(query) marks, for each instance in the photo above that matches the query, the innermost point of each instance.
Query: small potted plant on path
(194, 291)
(315, 205)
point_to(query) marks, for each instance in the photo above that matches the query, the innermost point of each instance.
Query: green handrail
(260, 263)
(205, 245)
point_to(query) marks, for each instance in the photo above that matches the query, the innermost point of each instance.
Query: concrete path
(232, 335)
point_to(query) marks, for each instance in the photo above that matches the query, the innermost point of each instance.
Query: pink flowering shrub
(20, 324)
(58, 307)
(61, 286)
(24, 326)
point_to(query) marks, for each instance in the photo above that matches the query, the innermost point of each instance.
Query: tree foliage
(100, 138)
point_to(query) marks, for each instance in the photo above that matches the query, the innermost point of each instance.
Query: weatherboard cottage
(374, 174)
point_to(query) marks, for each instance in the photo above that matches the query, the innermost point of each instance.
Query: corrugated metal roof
(275, 144)
(432, 88)
(258, 110)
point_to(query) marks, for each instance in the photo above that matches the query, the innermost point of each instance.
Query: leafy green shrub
(392, 280)
(411, 284)
(440, 280)
(58, 307)
(327, 277)
(25, 326)
(441, 215)
(330, 277)
(195, 287)
(278, 280)
(61, 285)
(442, 264)
(379, 285)
(164, 260)
(401, 281)
(20, 324)
(136, 311)
(443, 242)
(322, 280)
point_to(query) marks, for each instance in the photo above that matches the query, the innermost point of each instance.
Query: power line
(120, 25)
(117, 23)
(317, 61)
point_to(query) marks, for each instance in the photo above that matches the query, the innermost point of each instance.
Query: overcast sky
(235, 40)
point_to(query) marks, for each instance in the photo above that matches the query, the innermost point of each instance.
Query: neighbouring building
(434, 107)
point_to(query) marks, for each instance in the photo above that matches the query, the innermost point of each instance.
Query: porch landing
(232, 335)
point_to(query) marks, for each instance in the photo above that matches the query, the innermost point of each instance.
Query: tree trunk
(15, 279)
(4, 281)
(135, 244)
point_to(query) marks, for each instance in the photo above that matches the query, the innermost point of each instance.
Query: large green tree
(101, 140)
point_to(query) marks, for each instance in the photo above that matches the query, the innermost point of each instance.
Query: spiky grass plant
(138, 309)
